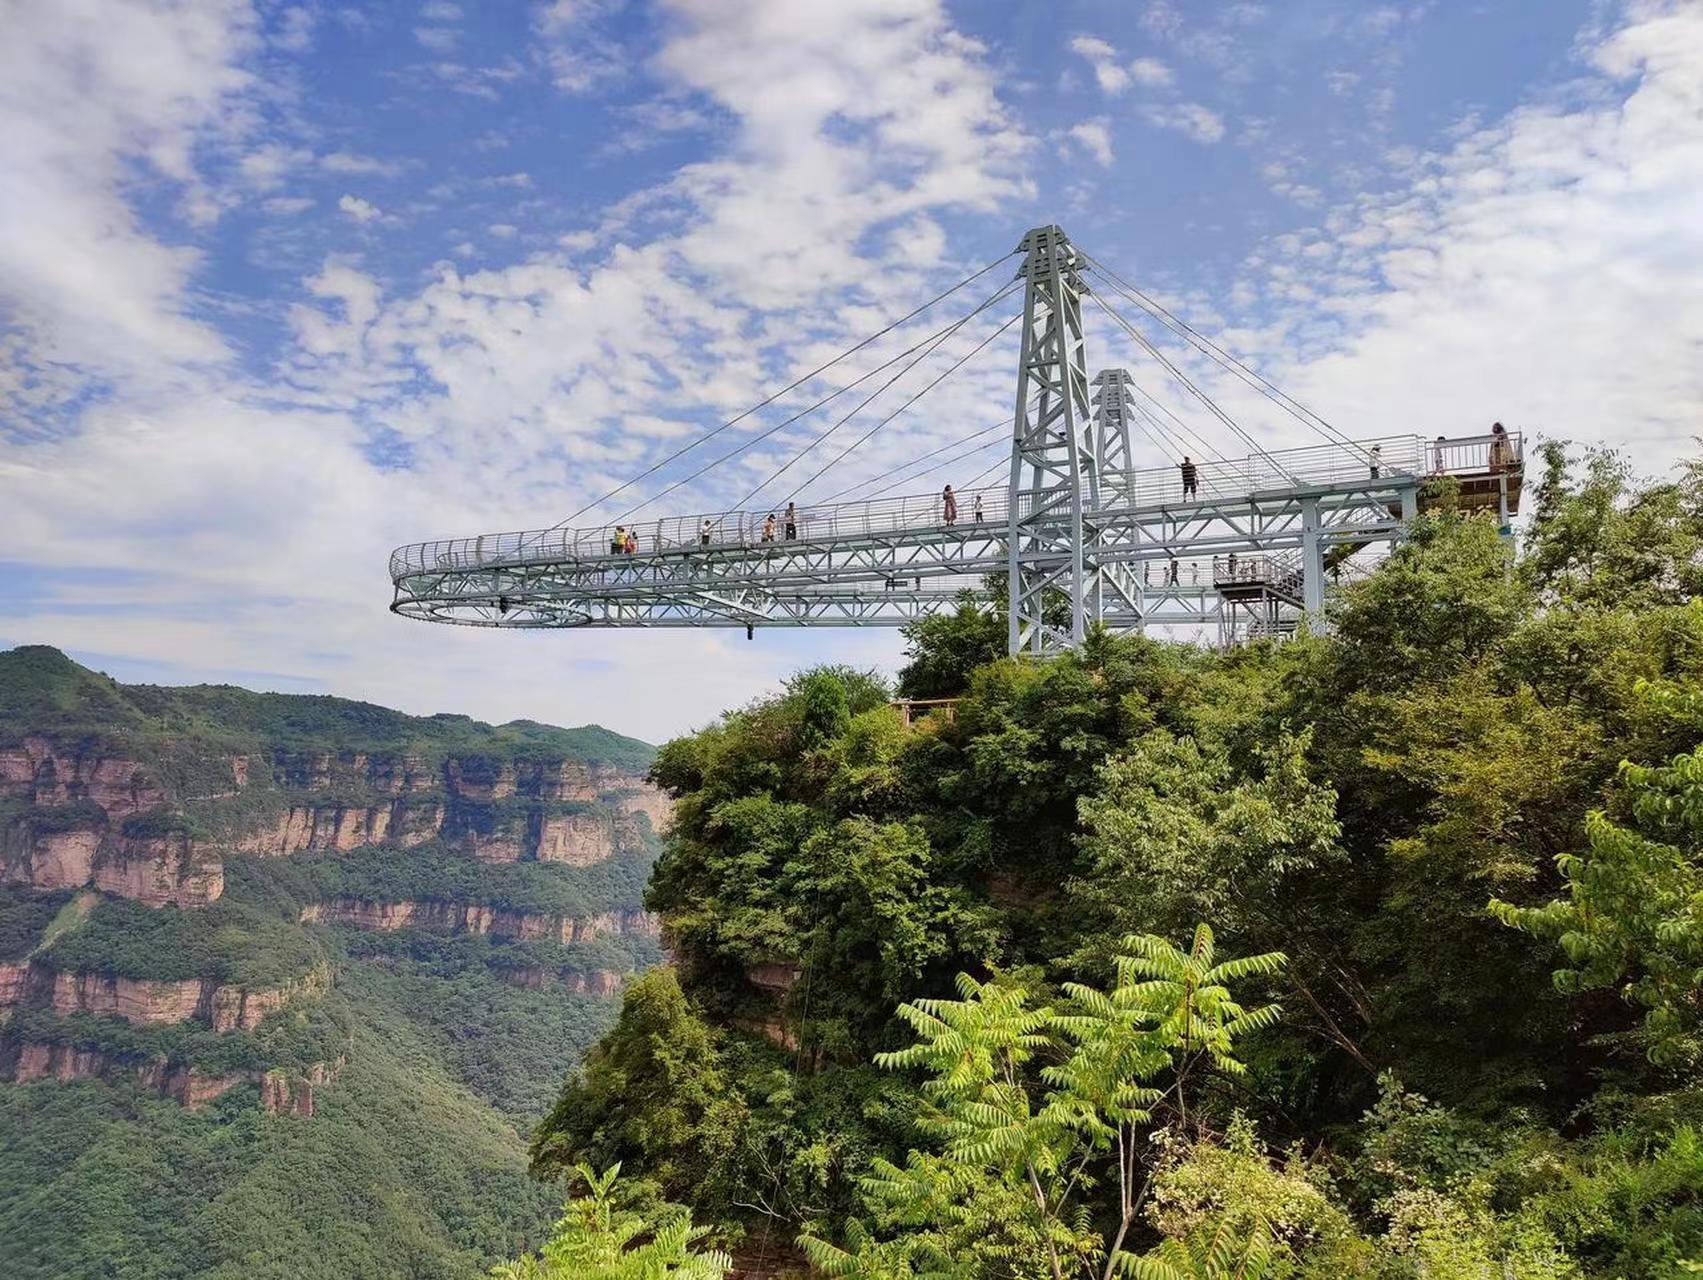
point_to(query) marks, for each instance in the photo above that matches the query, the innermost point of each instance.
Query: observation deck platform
(1156, 555)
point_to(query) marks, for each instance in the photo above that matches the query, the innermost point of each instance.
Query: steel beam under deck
(890, 577)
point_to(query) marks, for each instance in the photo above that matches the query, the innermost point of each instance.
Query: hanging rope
(861, 440)
(935, 338)
(933, 346)
(790, 387)
(1170, 367)
(932, 453)
(1227, 360)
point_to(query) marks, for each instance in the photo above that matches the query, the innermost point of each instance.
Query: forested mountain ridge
(941, 1004)
(287, 976)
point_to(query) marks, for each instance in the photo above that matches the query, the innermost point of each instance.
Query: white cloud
(95, 94)
(347, 162)
(440, 11)
(1547, 270)
(295, 29)
(1111, 77)
(266, 166)
(1151, 73)
(1094, 137)
(360, 210)
(287, 205)
(1187, 118)
(437, 39)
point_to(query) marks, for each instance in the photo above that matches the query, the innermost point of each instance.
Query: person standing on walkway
(1501, 452)
(769, 528)
(1375, 458)
(791, 523)
(976, 510)
(1171, 576)
(1190, 476)
(949, 505)
(704, 533)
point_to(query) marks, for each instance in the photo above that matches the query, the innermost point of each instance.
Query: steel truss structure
(1080, 536)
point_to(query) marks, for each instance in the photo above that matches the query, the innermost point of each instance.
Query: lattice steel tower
(1044, 520)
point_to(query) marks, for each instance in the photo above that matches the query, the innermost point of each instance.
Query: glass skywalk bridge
(1148, 549)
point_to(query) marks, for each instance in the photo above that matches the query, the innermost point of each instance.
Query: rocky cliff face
(281, 1092)
(171, 798)
(467, 917)
(49, 776)
(152, 1003)
(144, 1003)
(86, 800)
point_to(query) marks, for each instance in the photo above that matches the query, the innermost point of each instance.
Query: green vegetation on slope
(24, 917)
(412, 1163)
(44, 692)
(408, 1166)
(433, 873)
(228, 941)
(1443, 1095)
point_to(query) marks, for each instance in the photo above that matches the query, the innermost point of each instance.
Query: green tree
(596, 1239)
(942, 649)
(653, 1093)
(1006, 1189)
(1632, 917)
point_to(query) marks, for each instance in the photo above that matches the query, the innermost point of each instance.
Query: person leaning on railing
(1501, 452)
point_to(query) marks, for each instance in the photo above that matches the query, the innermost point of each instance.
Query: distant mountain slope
(283, 979)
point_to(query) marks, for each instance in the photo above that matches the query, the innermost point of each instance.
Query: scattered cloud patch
(362, 211)
(1190, 119)
(1103, 60)
(288, 205)
(1095, 138)
(1151, 73)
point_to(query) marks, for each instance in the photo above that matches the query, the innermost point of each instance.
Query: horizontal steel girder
(889, 578)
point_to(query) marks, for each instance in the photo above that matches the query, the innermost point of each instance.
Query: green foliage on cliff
(435, 873)
(228, 942)
(410, 1164)
(44, 692)
(24, 917)
(598, 1238)
(1444, 1095)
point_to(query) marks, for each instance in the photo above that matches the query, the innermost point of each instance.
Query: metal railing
(983, 510)
(1282, 571)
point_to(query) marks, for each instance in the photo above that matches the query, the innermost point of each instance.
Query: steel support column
(1312, 563)
(1044, 521)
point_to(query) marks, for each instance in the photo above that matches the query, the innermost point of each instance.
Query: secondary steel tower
(1044, 513)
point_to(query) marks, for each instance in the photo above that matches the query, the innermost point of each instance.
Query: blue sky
(283, 285)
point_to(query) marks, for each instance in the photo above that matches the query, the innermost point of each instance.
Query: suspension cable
(1001, 425)
(1183, 437)
(790, 387)
(933, 346)
(1227, 359)
(1142, 340)
(861, 440)
(935, 337)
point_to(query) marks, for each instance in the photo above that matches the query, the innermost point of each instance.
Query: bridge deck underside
(1153, 563)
